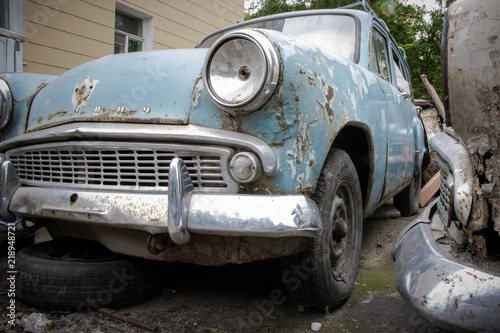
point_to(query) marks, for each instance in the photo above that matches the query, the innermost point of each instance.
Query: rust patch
(61, 113)
(29, 98)
(303, 144)
(329, 98)
(39, 120)
(311, 81)
(82, 92)
(198, 86)
(329, 111)
(227, 122)
(281, 117)
(329, 94)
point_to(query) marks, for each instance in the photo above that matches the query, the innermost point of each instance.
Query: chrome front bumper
(447, 293)
(179, 212)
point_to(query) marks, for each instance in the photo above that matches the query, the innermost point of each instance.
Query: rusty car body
(213, 155)
(445, 286)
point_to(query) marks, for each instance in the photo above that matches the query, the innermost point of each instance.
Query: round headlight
(241, 71)
(245, 167)
(5, 104)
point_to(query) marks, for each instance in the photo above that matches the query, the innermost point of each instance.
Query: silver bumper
(178, 212)
(449, 294)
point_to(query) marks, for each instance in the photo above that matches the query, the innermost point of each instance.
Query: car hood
(145, 87)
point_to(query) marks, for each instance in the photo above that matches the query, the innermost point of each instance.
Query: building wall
(61, 34)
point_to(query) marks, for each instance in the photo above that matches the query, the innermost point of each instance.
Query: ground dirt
(250, 298)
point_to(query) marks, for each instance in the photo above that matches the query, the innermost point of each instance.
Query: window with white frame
(128, 33)
(133, 30)
(11, 36)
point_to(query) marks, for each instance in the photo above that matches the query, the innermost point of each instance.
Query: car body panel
(446, 265)
(448, 293)
(152, 87)
(24, 88)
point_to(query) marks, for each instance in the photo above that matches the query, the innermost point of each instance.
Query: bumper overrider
(178, 211)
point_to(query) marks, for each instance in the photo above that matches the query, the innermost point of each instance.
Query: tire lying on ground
(82, 276)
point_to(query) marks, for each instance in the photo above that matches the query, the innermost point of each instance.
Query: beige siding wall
(62, 34)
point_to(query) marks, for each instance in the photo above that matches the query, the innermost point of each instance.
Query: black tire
(408, 200)
(323, 276)
(82, 276)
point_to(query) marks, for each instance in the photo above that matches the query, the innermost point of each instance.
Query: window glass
(339, 37)
(120, 41)
(402, 80)
(134, 45)
(128, 33)
(336, 33)
(4, 14)
(128, 24)
(379, 58)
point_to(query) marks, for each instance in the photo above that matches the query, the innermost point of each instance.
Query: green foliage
(269, 7)
(322, 4)
(417, 30)
(419, 33)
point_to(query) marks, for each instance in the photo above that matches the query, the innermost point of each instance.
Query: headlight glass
(245, 167)
(5, 104)
(241, 71)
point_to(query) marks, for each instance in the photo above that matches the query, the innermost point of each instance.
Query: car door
(399, 155)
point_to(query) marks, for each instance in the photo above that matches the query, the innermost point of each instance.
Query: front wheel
(323, 275)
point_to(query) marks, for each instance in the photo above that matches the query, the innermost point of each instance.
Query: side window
(401, 77)
(379, 55)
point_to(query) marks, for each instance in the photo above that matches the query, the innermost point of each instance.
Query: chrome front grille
(445, 204)
(115, 165)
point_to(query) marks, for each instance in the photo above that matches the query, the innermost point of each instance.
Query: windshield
(336, 33)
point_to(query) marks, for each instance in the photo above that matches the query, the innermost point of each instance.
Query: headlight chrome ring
(5, 104)
(241, 71)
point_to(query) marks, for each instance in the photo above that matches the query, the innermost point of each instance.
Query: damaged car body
(273, 138)
(447, 261)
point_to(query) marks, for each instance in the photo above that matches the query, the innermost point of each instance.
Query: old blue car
(274, 138)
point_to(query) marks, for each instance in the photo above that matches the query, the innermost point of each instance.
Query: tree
(321, 4)
(269, 7)
(417, 30)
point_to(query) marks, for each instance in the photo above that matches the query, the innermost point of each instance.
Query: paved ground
(240, 298)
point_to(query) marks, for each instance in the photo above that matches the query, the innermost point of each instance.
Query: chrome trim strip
(449, 294)
(458, 158)
(191, 134)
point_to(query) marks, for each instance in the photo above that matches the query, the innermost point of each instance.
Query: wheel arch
(356, 140)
